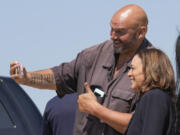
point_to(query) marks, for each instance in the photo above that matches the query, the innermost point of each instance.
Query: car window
(5, 119)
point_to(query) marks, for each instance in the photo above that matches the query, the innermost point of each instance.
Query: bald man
(106, 101)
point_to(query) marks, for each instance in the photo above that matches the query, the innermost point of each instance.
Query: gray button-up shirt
(96, 65)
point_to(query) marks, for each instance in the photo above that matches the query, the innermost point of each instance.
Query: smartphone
(99, 92)
(19, 70)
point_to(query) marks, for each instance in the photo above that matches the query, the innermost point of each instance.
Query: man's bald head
(128, 28)
(132, 15)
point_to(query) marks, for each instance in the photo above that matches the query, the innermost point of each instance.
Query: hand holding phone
(19, 70)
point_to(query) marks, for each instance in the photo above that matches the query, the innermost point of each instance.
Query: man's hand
(18, 72)
(43, 79)
(87, 102)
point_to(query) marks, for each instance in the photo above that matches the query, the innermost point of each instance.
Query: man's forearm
(116, 120)
(41, 79)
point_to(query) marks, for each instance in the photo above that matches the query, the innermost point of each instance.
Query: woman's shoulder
(156, 94)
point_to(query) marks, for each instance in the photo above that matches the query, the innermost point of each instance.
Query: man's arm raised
(43, 79)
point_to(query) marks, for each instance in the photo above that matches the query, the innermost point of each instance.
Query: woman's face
(136, 74)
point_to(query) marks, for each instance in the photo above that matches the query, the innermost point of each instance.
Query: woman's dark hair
(178, 56)
(177, 123)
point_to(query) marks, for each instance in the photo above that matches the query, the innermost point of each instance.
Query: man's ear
(142, 32)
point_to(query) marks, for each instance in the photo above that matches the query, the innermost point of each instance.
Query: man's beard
(121, 47)
(118, 50)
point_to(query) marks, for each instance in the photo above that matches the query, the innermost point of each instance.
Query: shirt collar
(144, 44)
(110, 58)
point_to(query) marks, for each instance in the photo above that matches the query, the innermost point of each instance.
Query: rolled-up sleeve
(66, 77)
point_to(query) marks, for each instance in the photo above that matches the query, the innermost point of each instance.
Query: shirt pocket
(121, 100)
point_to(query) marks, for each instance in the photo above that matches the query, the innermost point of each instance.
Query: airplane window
(5, 119)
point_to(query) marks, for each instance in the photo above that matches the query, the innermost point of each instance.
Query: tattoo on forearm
(42, 79)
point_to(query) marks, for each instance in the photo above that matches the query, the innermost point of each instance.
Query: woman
(178, 84)
(151, 74)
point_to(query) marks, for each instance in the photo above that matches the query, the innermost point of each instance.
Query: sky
(44, 33)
